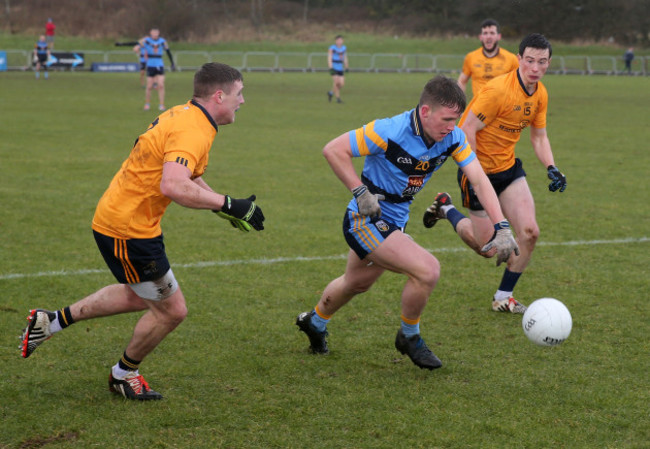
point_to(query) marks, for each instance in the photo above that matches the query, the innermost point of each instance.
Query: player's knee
(529, 236)
(177, 313)
(429, 273)
(358, 287)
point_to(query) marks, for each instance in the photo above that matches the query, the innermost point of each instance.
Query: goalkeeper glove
(558, 180)
(332, 72)
(242, 213)
(503, 241)
(367, 202)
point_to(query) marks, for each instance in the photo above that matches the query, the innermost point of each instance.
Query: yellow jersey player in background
(165, 165)
(493, 123)
(487, 62)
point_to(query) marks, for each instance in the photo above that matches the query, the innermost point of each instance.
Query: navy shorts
(365, 234)
(155, 71)
(500, 181)
(133, 260)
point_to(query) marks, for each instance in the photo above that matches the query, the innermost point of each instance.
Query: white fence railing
(359, 62)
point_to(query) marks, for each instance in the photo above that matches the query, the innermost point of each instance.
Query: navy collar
(416, 127)
(208, 116)
(523, 87)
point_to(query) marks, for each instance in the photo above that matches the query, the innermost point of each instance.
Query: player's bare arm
(338, 154)
(541, 146)
(484, 190)
(177, 185)
(462, 81)
(471, 126)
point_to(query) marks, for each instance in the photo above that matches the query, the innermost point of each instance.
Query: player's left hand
(503, 241)
(242, 213)
(558, 180)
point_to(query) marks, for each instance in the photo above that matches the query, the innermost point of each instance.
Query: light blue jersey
(338, 56)
(155, 49)
(399, 162)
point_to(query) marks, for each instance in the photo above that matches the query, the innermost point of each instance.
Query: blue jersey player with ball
(401, 154)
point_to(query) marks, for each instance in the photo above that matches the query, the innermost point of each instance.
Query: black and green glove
(242, 213)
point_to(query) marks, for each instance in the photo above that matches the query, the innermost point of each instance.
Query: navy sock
(65, 317)
(509, 280)
(128, 364)
(454, 216)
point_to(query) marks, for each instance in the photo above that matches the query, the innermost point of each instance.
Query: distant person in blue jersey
(154, 45)
(401, 154)
(337, 61)
(41, 55)
(142, 58)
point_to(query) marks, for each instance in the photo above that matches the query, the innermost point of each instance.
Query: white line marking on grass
(225, 263)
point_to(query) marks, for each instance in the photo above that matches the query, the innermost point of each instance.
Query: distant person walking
(337, 61)
(50, 27)
(41, 55)
(154, 46)
(628, 57)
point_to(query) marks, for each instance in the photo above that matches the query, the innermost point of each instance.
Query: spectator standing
(629, 57)
(50, 27)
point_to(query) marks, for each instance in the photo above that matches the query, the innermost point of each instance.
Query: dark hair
(490, 23)
(213, 76)
(338, 36)
(535, 40)
(443, 91)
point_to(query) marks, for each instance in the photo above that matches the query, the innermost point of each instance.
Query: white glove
(503, 241)
(367, 202)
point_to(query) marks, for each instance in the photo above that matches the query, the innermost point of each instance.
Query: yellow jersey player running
(493, 123)
(165, 165)
(487, 62)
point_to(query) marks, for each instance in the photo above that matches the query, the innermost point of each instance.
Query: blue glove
(558, 180)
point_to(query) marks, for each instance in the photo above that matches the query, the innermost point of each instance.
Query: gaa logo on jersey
(382, 226)
(415, 184)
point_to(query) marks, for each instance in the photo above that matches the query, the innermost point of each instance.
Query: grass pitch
(237, 373)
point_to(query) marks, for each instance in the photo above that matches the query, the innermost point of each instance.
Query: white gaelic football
(547, 322)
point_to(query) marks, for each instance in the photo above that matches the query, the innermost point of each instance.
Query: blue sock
(509, 280)
(410, 330)
(454, 216)
(319, 323)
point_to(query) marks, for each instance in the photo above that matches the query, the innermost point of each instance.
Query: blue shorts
(365, 234)
(155, 71)
(133, 260)
(500, 181)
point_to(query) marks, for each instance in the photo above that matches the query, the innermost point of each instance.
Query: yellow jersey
(133, 205)
(482, 69)
(506, 108)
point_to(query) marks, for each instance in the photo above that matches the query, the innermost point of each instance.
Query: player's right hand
(332, 72)
(558, 180)
(367, 202)
(503, 241)
(242, 213)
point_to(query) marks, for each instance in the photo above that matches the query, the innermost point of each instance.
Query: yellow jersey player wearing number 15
(165, 165)
(493, 123)
(487, 62)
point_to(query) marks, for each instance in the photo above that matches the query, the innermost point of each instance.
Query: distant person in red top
(49, 33)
